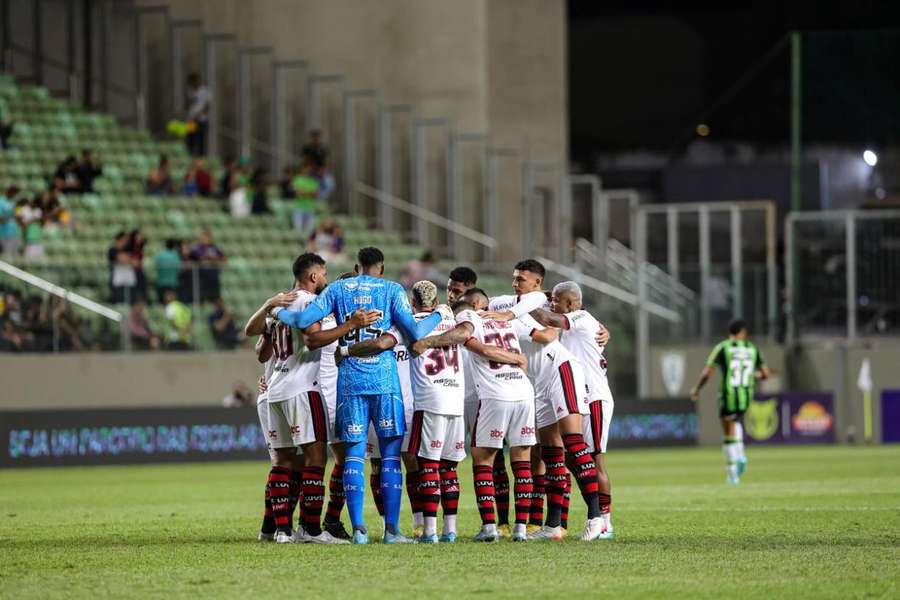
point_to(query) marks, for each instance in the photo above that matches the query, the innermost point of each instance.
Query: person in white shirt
(505, 409)
(578, 332)
(199, 99)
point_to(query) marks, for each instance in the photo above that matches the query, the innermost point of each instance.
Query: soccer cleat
(741, 465)
(266, 537)
(607, 533)
(395, 538)
(504, 530)
(531, 528)
(485, 535)
(418, 531)
(427, 539)
(360, 537)
(284, 537)
(547, 533)
(593, 529)
(448, 538)
(519, 533)
(336, 529)
(324, 538)
(732, 479)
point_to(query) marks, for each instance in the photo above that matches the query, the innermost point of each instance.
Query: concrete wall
(119, 380)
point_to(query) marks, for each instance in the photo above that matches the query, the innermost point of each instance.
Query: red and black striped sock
(268, 523)
(375, 484)
(429, 492)
(501, 488)
(296, 491)
(449, 487)
(412, 490)
(555, 483)
(567, 497)
(605, 503)
(484, 492)
(313, 499)
(280, 495)
(522, 489)
(536, 510)
(335, 494)
(582, 466)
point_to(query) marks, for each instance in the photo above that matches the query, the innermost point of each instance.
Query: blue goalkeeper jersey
(371, 374)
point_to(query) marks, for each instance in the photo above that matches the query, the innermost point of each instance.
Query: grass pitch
(819, 522)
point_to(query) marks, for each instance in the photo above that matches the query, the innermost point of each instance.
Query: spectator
(10, 235)
(239, 396)
(67, 172)
(56, 216)
(198, 112)
(328, 241)
(6, 129)
(197, 180)
(168, 266)
(422, 269)
(315, 152)
(221, 323)
(135, 248)
(122, 277)
(142, 337)
(326, 183)
(238, 202)
(258, 184)
(231, 167)
(178, 323)
(209, 259)
(36, 321)
(159, 179)
(88, 170)
(13, 335)
(306, 188)
(286, 184)
(32, 219)
(68, 324)
(186, 275)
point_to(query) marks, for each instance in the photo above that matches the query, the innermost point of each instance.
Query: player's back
(493, 380)
(543, 359)
(438, 376)
(737, 361)
(296, 368)
(580, 340)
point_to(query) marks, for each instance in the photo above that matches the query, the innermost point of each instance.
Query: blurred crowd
(37, 324)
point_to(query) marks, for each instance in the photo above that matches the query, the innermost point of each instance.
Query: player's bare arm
(527, 303)
(704, 377)
(257, 323)
(552, 319)
(498, 355)
(457, 335)
(264, 348)
(366, 347)
(315, 337)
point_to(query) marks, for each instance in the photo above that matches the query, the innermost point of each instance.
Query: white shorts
(565, 394)
(596, 426)
(329, 394)
(499, 420)
(262, 410)
(470, 409)
(297, 421)
(372, 448)
(438, 437)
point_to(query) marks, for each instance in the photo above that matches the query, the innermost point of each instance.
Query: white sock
(449, 524)
(418, 519)
(430, 525)
(730, 450)
(739, 436)
(607, 519)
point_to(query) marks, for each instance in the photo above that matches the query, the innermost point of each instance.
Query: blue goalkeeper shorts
(353, 413)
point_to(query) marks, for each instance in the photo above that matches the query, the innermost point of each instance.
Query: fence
(842, 273)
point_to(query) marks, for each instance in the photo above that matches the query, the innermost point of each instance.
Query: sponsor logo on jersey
(401, 355)
(496, 433)
(437, 444)
(363, 299)
(671, 366)
(527, 430)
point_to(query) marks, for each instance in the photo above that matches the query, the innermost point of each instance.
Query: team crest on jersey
(672, 366)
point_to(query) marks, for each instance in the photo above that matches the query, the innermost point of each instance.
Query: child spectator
(178, 323)
(328, 241)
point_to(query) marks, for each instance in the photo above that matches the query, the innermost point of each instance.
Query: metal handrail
(426, 215)
(609, 290)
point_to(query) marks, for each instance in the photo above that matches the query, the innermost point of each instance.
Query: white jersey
(296, 368)
(269, 366)
(544, 360)
(327, 369)
(579, 338)
(470, 394)
(438, 378)
(496, 381)
(401, 354)
(519, 304)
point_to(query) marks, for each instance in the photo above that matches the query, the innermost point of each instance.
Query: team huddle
(352, 367)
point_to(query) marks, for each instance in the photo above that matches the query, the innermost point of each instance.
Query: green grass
(819, 522)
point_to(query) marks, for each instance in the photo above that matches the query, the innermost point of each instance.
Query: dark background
(643, 74)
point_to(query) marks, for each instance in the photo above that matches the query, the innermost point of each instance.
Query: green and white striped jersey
(738, 361)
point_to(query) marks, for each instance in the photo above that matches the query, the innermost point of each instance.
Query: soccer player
(368, 387)
(295, 411)
(505, 407)
(740, 364)
(579, 334)
(560, 403)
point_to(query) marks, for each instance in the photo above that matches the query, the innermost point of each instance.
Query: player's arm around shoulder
(456, 336)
